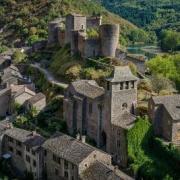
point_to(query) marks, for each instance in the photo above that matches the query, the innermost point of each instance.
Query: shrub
(19, 57)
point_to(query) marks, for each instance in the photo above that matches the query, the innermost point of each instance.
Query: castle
(103, 115)
(72, 30)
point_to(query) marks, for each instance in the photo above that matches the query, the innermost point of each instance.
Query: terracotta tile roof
(170, 103)
(36, 98)
(68, 148)
(88, 88)
(121, 74)
(100, 171)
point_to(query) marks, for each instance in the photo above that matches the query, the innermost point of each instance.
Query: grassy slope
(18, 16)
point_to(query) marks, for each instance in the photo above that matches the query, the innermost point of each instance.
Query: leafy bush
(149, 157)
(19, 57)
(167, 67)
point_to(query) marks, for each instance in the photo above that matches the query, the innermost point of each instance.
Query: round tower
(109, 35)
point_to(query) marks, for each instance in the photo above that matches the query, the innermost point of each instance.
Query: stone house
(21, 93)
(37, 101)
(4, 125)
(67, 158)
(100, 171)
(5, 101)
(11, 75)
(164, 111)
(103, 114)
(24, 149)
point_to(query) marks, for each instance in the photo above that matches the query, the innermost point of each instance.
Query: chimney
(33, 133)
(83, 139)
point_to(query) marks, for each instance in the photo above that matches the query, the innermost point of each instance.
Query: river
(149, 51)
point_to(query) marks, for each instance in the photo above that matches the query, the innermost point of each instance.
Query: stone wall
(74, 22)
(17, 161)
(5, 102)
(121, 97)
(56, 169)
(94, 21)
(92, 48)
(40, 105)
(94, 156)
(119, 145)
(109, 35)
(176, 132)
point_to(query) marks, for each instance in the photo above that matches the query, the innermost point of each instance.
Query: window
(72, 166)
(124, 106)
(33, 153)
(72, 178)
(82, 27)
(121, 86)
(27, 149)
(10, 139)
(65, 164)
(118, 132)
(34, 163)
(127, 85)
(59, 160)
(18, 143)
(54, 158)
(90, 108)
(118, 143)
(66, 174)
(45, 153)
(18, 153)
(28, 159)
(56, 172)
(108, 86)
(132, 84)
(10, 148)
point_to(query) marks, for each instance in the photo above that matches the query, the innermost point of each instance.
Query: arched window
(124, 106)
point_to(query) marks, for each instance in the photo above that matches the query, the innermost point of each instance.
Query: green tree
(170, 40)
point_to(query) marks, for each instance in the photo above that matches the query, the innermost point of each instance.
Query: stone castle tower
(109, 36)
(120, 102)
(74, 22)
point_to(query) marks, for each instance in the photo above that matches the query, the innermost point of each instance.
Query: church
(103, 114)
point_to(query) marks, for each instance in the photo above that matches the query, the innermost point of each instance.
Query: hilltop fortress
(72, 30)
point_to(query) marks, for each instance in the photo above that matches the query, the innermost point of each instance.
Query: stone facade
(70, 160)
(75, 35)
(38, 102)
(104, 115)
(5, 101)
(24, 149)
(164, 111)
(60, 157)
